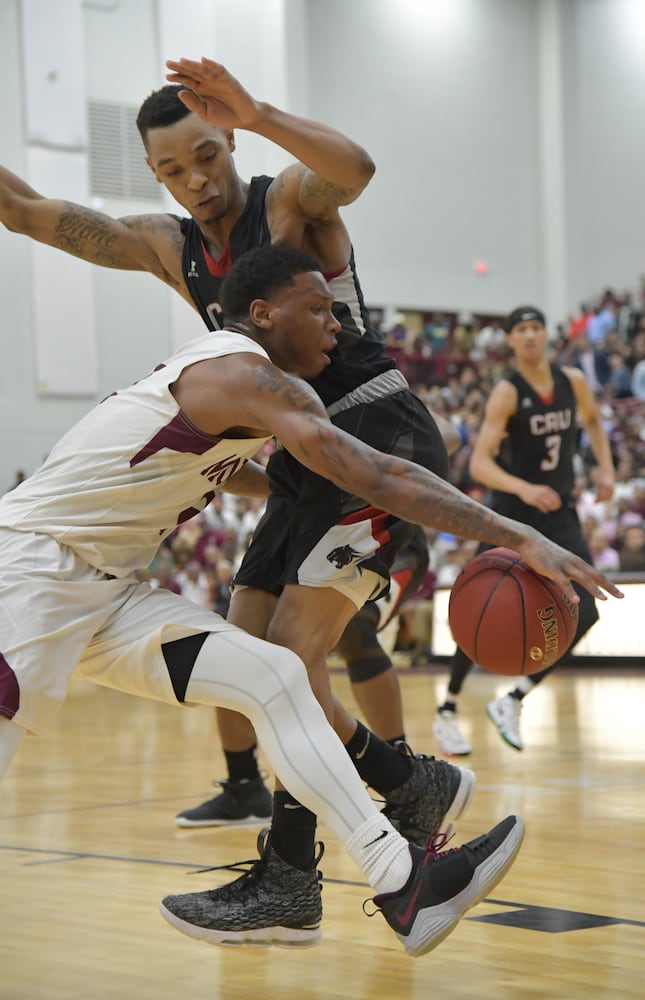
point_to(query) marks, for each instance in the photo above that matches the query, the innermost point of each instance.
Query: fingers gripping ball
(507, 618)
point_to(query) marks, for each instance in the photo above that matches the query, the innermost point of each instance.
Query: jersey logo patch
(526, 402)
(342, 555)
(193, 273)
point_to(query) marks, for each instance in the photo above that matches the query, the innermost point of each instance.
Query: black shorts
(317, 535)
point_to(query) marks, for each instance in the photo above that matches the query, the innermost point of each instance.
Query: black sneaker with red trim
(444, 884)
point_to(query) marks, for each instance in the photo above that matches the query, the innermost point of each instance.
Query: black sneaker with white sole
(444, 884)
(240, 803)
(272, 903)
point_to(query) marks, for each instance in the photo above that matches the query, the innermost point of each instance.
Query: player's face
(301, 327)
(528, 340)
(194, 162)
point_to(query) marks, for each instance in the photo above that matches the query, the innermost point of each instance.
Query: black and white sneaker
(240, 803)
(444, 884)
(272, 903)
(435, 794)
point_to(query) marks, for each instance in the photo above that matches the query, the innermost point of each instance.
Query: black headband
(524, 314)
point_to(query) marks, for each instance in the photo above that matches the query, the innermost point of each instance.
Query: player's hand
(604, 483)
(564, 567)
(217, 96)
(540, 496)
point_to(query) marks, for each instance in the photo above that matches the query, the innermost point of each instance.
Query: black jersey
(359, 354)
(542, 436)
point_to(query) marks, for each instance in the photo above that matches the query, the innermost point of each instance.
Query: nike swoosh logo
(382, 834)
(361, 753)
(289, 805)
(403, 919)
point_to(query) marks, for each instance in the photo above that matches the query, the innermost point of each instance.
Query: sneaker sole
(434, 924)
(243, 821)
(502, 734)
(443, 749)
(264, 937)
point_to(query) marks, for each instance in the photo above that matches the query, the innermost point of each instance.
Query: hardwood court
(88, 846)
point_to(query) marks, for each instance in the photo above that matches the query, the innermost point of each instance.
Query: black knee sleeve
(364, 656)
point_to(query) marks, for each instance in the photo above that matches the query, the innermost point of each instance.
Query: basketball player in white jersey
(73, 535)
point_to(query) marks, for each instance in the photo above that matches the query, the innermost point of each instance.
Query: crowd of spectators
(460, 363)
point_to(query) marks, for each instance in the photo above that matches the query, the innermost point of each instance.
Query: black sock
(517, 694)
(380, 766)
(448, 706)
(242, 764)
(293, 831)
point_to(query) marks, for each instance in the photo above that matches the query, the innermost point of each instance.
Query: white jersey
(123, 477)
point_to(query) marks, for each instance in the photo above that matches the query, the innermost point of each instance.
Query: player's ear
(230, 137)
(260, 313)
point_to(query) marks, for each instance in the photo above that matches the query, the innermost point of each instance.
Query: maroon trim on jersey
(9, 690)
(379, 519)
(218, 266)
(179, 435)
(330, 275)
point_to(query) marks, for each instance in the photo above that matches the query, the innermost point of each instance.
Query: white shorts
(59, 616)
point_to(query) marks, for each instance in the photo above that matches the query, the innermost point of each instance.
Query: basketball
(507, 618)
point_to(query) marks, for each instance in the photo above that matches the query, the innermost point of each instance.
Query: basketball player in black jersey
(193, 158)
(524, 454)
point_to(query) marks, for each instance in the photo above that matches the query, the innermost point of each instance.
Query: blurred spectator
(578, 324)
(619, 384)
(632, 549)
(638, 380)
(599, 323)
(603, 556)
(163, 579)
(437, 334)
(194, 584)
(221, 591)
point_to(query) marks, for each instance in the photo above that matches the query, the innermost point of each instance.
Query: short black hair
(258, 274)
(161, 108)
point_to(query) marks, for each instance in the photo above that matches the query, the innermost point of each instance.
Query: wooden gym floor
(88, 846)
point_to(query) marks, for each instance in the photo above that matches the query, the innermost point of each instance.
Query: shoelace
(436, 847)
(253, 867)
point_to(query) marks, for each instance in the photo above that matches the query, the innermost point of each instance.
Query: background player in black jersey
(524, 454)
(193, 159)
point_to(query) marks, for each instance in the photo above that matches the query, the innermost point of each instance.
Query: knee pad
(359, 647)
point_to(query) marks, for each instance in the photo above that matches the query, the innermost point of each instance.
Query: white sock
(382, 853)
(10, 739)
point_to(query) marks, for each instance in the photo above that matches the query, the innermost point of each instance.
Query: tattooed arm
(222, 101)
(137, 243)
(240, 395)
(302, 202)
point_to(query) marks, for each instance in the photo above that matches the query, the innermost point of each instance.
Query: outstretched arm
(338, 169)
(135, 243)
(242, 391)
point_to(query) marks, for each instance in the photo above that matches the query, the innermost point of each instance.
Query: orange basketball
(507, 618)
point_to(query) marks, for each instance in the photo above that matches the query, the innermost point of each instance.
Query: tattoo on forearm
(86, 234)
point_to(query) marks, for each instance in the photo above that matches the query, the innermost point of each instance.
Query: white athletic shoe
(449, 736)
(505, 712)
